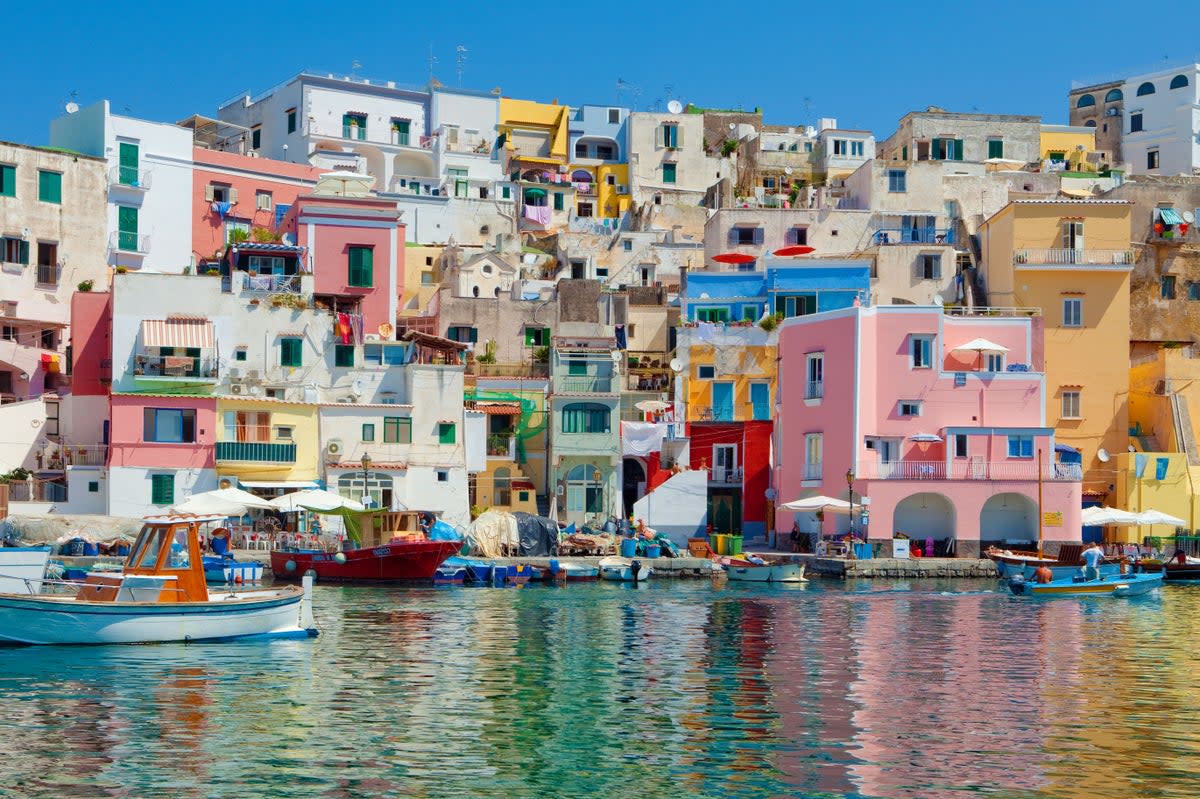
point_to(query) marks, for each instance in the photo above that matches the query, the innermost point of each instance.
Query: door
(889, 456)
(760, 400)
(722, 396)
(127, 228)
(724, 463)
(128, 164)
(1073, 240)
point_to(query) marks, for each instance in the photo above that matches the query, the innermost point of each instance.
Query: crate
(698, 548)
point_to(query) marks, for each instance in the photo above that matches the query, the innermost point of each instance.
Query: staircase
(1185, 438)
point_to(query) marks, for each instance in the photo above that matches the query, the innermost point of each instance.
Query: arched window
(1085, 100)
(585, 417)
(1091, 123)
(1114, 95)
(475, 291)
(1179, 82)
(585, 489)
(1145, 88)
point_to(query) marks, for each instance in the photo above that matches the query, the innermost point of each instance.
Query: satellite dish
(71, 107)
(787, 170)
(1102, 454)
(704, 295)
(1189, 217)
(676, 365)
(674, 106)
(356, 388)
(938, 301)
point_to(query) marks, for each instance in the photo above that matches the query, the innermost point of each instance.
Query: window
(47, 339)
(368, 432)
(946, 150)
(361, 266)
(169, 425)
(236, 227)
(401, 129)
(796, 305)
(749, 313)
(49, 187)
(397, 430)
(127, 228)
(343, 355)
(47, 263)
(1070, 405)
(464, 334)
(797, 235)
(746, 235)
(627, 245)
(577, 367)
(814, 382)
(1193, 290)
(1020, 446)
(1166, 287)
(8, 180)
(922, 352)
(291, 120)
(960, 445)
(239, 354)
(1085, 100)
(769, 183)
(611, 180)
(162, 489)
(712, 314)
(909, 408)
(1152, 159)
(1072, 235)
(283, 432)
(995, 148)
(581, 150)
(537, 337)
(1072, 312)
(506, 192)
(8, 333)
(1179, 82)
(1135, 122)
(670, 135)
(813, 455)
(558, 201)
(605, 152)
(614, 116)
(1091, 123)
(289, 351)
(354, 126)
(586, 417)
(14, 250)
(443, 475)
(1145, 88)
(839, 146)
(995, 362)
(897, 180)
(856, 148)
(263, 200)
(445, 432)
(706, 372)
(255, 137)
(668, 173)
(94, 487)
(1114, 95)
(929, 266)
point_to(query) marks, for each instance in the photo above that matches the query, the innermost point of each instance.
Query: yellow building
(516, 448)
(1071, 259)
(534, 132)
(422, 277)
(601, 190)
(267, 441)
(1073, 145)
(729, 382)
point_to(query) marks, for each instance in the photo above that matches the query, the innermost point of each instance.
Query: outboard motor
(1016, 583)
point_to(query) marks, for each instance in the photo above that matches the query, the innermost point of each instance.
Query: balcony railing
(36, 491)
(469, 144)
(255, 452)
(130, 177)
(272, 284)
(130, 242)
(534, 369)
(502, 445)
(183, 367)
(1070, 257)
(812, 471)
(914, 236)
(76, 455)
(969, 469)
(583, 384)
(585, 188)
(814, 390)
(726, 476)
(47, 274)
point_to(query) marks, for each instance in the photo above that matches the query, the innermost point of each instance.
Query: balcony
(129, 177)
(502, 446)
(130, 243)
(725, 476)
(47, 275)
(71, 455)
(814, 391)
(531, 369)
(1060, 256)
(197, 369)
(970, 469)
(255, 452)
(36, 491)
(263, 285)
(585, 188)
(583, 384)
(914, 236)
(468, 144)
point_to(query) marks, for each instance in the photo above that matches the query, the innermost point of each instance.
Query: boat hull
(767, 572)
(1181, 572)
(22, 569)
(1126, 585)
(750, 574)
(621, 570)
(416, 560)
(66, 620)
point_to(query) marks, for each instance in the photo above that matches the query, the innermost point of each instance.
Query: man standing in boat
(1092, 557)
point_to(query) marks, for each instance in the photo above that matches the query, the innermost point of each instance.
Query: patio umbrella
(1158, 517)
(795, 249)
(980, 345)
(226, 501)
(927, 438)
(1104, 516)
(313, 499)
(652, 406)
(734, 258)
(817, 503)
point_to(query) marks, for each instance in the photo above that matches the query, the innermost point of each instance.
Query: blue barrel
(628, 547)
(653, 550)
(75, 546)
(91, 550)
(220, 545)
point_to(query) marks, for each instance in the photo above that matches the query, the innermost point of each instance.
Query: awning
(277, 483)
(535, 192)
(1170, 216)
(498, 408)
(195, 333)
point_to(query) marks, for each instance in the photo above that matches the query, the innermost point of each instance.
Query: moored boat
(161, 595)
(625, 570)
(227, 571)
(570, 571)
(742, 570)
(1175, 572)
(1113, 585)
(22, 569)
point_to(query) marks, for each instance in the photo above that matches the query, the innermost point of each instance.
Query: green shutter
(361, 267)
(958, 149)
(506, 192)
(446, 433)
(8, 181)
(996, 148)
(289, 351)
(23, 256)
(935, 147)
(127, 173)
(50, 187)
(162, 489)
(668, 173)
(343, 355)
(558, 201)
(127, 228)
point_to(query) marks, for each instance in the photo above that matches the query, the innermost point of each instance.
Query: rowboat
(161, 595)
(1113, 585)
(771, 572)
(570, 572)
(624, 569)
(22, 569)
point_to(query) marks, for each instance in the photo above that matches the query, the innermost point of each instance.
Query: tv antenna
(460, 62)
(432, 61)
(71, 107)
(354, 68)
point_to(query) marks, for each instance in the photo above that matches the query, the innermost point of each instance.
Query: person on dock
(1092, 556)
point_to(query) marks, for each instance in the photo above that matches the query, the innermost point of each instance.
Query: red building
(737, 456)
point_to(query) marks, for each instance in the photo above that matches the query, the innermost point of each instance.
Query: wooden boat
(1176, 572)
(740, 570)
(391, 547)
(1118, 585)
(570, 571)
(625, 570)
(22, 569)
(161, 595)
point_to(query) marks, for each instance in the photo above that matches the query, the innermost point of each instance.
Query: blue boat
(1111, 585)
(450, 574)
(225, 570)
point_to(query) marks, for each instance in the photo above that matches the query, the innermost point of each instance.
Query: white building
(667, 160)
(149, 185)
(842, 151)
(1161, 126)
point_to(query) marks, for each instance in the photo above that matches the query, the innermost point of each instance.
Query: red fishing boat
(390, 546)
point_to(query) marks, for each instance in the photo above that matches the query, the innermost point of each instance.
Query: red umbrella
(734, 258)
(795, 249)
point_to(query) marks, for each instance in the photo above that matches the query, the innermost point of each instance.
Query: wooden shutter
(446, 433)
(208, 193)
(935, 147)
(958, 149)
(758, 235)
(24, 254)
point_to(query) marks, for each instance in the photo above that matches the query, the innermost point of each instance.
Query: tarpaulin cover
(441, 531)
(537, 535)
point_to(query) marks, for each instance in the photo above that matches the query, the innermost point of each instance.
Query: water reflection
(666, 690)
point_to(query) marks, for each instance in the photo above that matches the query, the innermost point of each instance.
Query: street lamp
(850, 486)
(366, 464)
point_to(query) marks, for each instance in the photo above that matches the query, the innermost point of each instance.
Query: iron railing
(256, 452)
(130, 242)
(914, 236)
(969, 469)
(583, 384)
(1071, 257)
(181, 366)
(130, 177)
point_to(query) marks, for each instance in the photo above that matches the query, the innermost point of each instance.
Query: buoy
(290, 566)
(237, 579)
(311, 573)
(340, 557)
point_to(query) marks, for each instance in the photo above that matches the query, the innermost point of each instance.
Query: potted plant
(85, 285)
(213, 272)
(120, 270)
(254, 301)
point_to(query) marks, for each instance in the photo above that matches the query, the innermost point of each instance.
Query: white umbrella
(313, 499)
(226, 501)
(925, 437)
(817, 503)
(1158, 517)
(981, 345)
(1101, 516)
(652, 406)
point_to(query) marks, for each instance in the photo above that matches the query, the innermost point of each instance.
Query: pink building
(943, 442)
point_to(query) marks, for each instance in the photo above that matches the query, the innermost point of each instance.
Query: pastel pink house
(943, 443)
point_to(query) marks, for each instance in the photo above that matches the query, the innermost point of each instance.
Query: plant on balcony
(489, 352)
(120, 270)
(18, 474)
(541, 355)
(85, 285)
(769, 323)
(264, 235)
(213, 272)
(497, 443)
(634, 362)
(238, 236)
(728, 147)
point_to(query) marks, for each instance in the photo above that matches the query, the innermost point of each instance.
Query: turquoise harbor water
(665, 690)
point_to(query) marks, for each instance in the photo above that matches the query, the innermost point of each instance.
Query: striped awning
(178, 332)
(1170, 216)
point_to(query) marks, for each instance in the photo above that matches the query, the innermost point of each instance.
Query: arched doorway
(925, 515)
(502, 487)
(1008, 517)
(585, 492)
(633, 484)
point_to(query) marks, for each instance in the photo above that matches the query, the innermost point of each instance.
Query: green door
(127, 228)
(127, 172)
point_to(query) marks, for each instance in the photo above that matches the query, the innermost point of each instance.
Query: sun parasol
(818, 503)
(794, 250)
(734, 258)
(1158, 517)
(925, 438)
(226, 501)
(980, 345)
(314, 499)
(652, 406)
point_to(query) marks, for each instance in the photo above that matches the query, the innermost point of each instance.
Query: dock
(926, 568)
(663, 567)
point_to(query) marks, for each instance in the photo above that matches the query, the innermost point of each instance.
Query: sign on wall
(1052, 518)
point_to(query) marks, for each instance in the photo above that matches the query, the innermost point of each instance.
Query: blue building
(786, 286)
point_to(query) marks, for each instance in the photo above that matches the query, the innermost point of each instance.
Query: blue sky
(865, 64)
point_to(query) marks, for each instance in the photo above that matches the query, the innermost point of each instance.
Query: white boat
(622, 570)
(788, 573)
(773, 572)
(22, 569)
(160, 596)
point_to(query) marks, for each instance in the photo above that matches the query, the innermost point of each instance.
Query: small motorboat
(450, 574)
(570, 571)
(761, 571)
(22, 569)
(224, 570)
(1175, 570)
(1111, 585)
(624, 570)
(160, 595)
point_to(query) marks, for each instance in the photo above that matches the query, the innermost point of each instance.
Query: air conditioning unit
(252, 375)
(235, 373)
(334, 447)
(236, 388)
